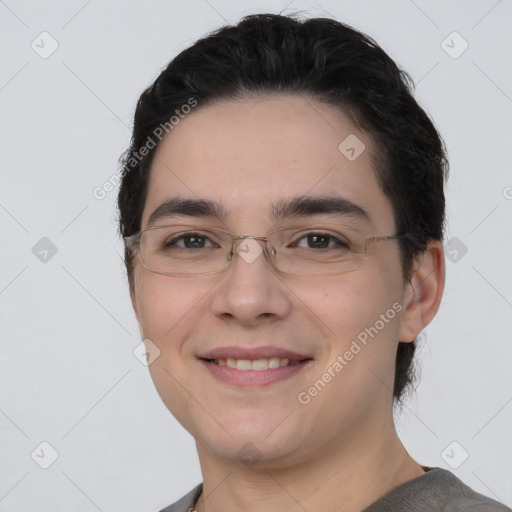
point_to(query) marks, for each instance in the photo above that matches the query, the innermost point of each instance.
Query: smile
(255, 373)
(255, 364)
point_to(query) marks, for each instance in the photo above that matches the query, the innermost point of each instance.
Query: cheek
(169, 309)
(362, 313)
(165, 307)
(347, 304)
(376, 307)
(161, 303)
(362, 307)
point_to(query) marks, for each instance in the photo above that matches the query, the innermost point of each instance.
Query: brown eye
(190, 241)
(323, 241)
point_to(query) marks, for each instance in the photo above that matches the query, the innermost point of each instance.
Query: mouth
(253, 367)
(257, 364)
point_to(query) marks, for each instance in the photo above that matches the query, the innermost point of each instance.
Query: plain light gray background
(68, 375)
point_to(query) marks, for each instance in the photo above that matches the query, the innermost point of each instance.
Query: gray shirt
(437, 490)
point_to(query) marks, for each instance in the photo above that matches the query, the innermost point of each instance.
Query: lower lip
(253, 378)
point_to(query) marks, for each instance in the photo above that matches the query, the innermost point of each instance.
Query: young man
(283, 210)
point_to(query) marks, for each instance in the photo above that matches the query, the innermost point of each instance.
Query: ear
(422, 295)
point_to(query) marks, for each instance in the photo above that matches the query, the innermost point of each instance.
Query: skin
(248, 153)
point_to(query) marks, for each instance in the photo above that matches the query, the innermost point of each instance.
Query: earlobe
(423, 293)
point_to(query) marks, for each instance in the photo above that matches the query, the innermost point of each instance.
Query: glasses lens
(315, 252)
(184, 250)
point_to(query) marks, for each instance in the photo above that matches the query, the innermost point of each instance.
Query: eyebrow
(302, 206)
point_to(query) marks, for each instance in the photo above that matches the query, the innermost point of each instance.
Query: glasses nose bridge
(237, 241)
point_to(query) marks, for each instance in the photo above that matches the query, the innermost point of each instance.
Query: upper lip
(264, 352)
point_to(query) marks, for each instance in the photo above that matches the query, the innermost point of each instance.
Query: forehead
(253, 153)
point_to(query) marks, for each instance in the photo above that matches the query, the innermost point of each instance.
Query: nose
(251, 291)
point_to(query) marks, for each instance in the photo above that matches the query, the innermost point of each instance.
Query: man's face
(248, 155)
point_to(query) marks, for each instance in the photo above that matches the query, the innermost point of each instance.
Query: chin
(254, 454)
(252, 445)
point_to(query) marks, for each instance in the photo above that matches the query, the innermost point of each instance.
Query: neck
(347, 475)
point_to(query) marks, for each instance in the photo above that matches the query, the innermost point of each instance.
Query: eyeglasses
(186, 250)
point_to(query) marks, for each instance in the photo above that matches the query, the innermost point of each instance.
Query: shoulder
(437, 490)
(187, 502)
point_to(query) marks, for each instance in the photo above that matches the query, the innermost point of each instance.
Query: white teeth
(273, 362)
(256, 364)
(243, 364)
